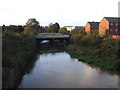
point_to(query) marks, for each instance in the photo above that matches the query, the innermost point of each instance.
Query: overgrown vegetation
(28, 31)
(100, 51)
(18, 52)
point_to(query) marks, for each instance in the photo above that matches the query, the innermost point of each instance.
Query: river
(59, 70)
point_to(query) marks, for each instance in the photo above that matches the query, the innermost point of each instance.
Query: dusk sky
(65, 12)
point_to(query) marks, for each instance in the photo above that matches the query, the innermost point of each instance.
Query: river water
(59, 70)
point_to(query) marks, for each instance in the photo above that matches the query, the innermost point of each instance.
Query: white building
(69, 28)
(78, 28)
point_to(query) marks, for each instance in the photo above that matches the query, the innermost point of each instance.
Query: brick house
(110, 25)
(79, 28)
(91, 27)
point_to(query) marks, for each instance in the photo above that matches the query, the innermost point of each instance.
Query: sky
(65, 12)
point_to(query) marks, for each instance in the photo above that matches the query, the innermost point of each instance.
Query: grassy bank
(84, 54)
(96, 50)
(18, 53)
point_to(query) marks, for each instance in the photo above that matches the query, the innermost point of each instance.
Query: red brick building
(110, 25)
(91, 27)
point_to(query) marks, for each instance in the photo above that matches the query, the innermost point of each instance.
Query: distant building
(91, 27)
(70, 28)
(110, 25)
(79, 28)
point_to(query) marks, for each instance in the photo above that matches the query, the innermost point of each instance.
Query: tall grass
(18, 51)
(97, 61)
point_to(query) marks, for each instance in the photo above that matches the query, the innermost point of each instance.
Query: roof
(80, 26)
(75, 26)
(94, 23)
(68, 26)
(113, 19)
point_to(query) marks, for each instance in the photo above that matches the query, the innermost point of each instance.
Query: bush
(87, 40)
(74, 31)
(109, 49)
(63, 30)
(28, 31)
(17, 50)
(75, 38)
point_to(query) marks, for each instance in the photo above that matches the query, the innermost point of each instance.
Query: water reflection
(59, 70)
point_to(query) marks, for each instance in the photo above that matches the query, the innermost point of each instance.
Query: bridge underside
(52, 41)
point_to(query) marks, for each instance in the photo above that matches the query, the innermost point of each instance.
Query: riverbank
(81, 53)
(96, 50)
(18, 57)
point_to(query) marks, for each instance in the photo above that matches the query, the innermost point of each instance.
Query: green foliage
(62, 30)
(109, 49)
(8, 33)
(54, 28)
(103, 52)
(96, 34)
(74, 31)
(102, 48)
(76, 38)
(18, 52)
(89, 40)
(15, 47)
(13, 28)
(57, 26)
(75, 52)
(32, 22)
(83, 33)
(28, 31)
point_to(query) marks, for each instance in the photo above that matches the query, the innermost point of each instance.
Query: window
(116, 24)
(116, 30)
(111, 30)
(111, 24)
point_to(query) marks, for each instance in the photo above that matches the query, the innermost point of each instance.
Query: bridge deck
(51, 36)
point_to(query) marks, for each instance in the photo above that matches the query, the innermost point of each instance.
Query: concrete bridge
(52, 37)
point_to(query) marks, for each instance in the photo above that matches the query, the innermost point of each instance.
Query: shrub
(76, 38)
(28, 31)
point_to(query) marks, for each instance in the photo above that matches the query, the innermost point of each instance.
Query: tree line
(33, 27)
